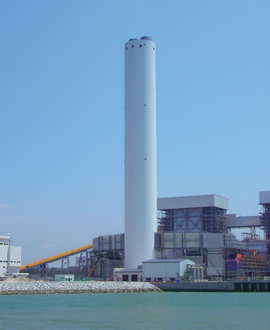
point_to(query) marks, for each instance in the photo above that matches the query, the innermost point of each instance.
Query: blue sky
(62, 111)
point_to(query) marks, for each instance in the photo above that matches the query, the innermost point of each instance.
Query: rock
(46, 287)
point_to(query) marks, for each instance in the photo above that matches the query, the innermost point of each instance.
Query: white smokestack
(140, 151)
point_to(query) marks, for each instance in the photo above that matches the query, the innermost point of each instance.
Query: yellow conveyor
(57, 256)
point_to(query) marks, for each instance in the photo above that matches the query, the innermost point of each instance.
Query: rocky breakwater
(46, 287)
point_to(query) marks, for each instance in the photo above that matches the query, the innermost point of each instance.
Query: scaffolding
(248, 266)
(113, 245)
(265, 220)
(255, 262)
(213, 220)
(193, 220)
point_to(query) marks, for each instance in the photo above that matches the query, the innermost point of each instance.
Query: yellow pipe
(57, 257)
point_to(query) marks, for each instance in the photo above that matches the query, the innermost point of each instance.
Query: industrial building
(64, 277)
(10, 258)
(194, 228)
(265, 213)
(174, 238)
(198, 229)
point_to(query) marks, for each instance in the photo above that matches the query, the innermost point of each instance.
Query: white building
(155, 270)
(10, 257)
(165, 269)
(64, 278)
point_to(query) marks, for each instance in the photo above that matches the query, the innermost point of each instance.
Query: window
(134, 277)
(132, 46)
(148, 279)
(125, 278)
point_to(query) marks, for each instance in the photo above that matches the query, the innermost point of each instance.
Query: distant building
(64, 278)
(10, 258)
(165, 269)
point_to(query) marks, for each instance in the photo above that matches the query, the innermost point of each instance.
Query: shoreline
(79, 287)
(47, 287)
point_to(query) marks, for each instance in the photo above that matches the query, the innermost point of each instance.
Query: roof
(264, 197)
(186, 202)
(156, 261)
(129, 270)
(237, 221)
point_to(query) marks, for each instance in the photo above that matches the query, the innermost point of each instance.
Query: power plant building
(198, 229)
(193, 228)
(173, 238)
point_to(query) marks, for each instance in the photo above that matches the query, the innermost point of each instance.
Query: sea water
(164, 310)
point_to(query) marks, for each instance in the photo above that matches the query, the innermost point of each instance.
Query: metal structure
(193, 220)
(246, 265)
(107, 254)
(238, 221)
(195, 227)
(65, 262)
(194, 214)
(265, 213)
(57, 257)
(140, 151)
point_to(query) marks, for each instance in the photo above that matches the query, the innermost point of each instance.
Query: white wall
(3, 259)
(166, 270)
(64, 278)
(14, 262)
(10, 256)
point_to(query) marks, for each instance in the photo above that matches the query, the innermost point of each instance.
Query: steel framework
(193, 220)
(265, 220)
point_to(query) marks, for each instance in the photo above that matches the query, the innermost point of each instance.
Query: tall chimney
(140, 151)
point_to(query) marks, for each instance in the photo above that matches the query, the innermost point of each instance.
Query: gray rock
(74, 287)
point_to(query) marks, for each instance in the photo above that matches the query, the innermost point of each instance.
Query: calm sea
(174, 310)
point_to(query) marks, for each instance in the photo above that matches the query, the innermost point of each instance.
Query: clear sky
(62, 111)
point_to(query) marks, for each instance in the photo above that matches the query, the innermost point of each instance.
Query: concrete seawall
(229, 286)
(197, 286)
(47, 287)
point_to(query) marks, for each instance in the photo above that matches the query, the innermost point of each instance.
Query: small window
(172, 279)
(159, 279)
(154, 48)
(134, 277)
(132, 46)
(148, 279)
(140, 45)
(125, 278)
(126, 48)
